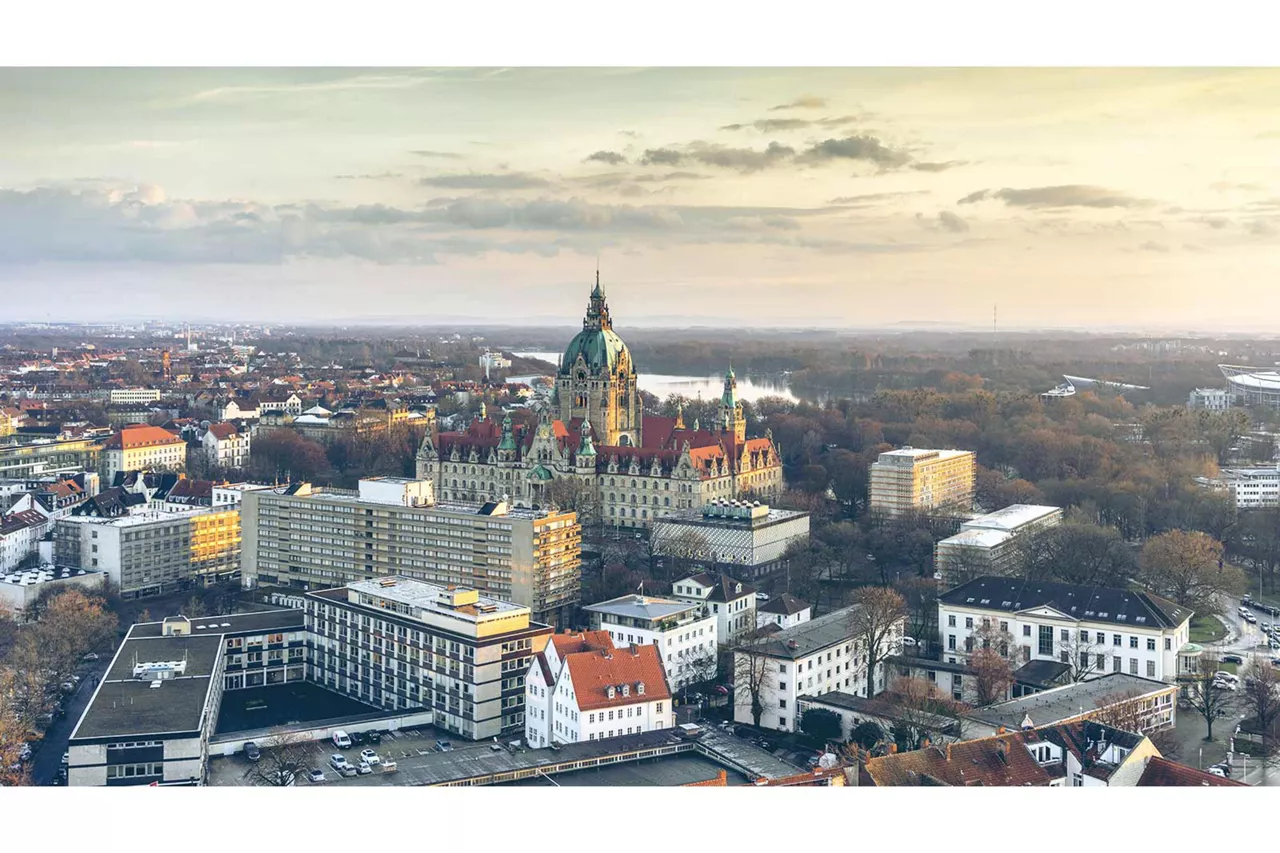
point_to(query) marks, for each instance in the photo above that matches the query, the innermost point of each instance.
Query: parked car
(1217, 770)
(444, 746)
(363, 768)
(720, 690)
(357, 738)
(1250, 618)
(389, 766)
(369, 756)
(760, 596)
(1222, 684)
(341, 740)
(91, 656)
(315, 775)
(337, 761)
(347, 770)
(1236, 659)
(373, 738)
(251, 751)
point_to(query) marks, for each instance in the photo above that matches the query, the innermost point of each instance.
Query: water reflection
(707, 387)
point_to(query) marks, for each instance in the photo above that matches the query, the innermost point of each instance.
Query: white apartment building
(19, 534)
(309, 538)
(401, 644)
(814, 657)
(19, 589)
(143, 448)
(913, 479)
(732, 602)
(987, 545)
(225, 446)
(748, 538)
(124, 396)
(582, 687)
(684, 632)
(1211, 399)
(493, 361)
(228, 495)
(1093, 630)
(1253, 488)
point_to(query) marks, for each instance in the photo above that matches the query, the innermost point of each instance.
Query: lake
(707, 387)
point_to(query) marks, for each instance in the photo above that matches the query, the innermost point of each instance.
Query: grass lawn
(1233, 668)
(1206, 629)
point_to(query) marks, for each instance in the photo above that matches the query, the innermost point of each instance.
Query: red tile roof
(1163, 773)
(223, 431)
(582, 641)
(594, 672)
(131, 438)
(961, 764)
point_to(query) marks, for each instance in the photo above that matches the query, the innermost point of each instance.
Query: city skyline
(712, 197)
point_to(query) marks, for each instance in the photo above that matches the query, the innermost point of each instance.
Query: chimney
(792, 644)
(1000, 730)
(1002, 752)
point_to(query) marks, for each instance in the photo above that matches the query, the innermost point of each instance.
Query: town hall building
(633, 467)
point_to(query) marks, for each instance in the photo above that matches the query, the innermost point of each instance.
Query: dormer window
(640, 688)
(626, 690)
(610, 692)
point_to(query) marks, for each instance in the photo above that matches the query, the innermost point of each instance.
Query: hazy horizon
(843, 199)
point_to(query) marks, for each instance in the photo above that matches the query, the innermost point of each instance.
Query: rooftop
(920, 454)
(239, 623)
(645, 607)
(44, 574)
(808, 637)
(1079, 601)
(1011, 517)
(147, 516)
(436, 598)
(1069, 701)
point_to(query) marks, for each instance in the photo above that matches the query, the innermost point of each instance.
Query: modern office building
(746, 538)
(1253, 488)
(1210, 399)
(912, 479)
(143, 448)
(988, 544)
(400, 643)
(309, 538)
(151, 551)
(121, 396)
(683, 631)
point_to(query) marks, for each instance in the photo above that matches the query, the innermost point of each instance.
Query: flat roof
(1011, 517)
(148, 516)
(695, 517)
(426, 596)
(917, 452)
(457, 508)
(668, 771)
(239, 623)
(978, 538)
(124, 705)
(1071, 700)
(642, 607)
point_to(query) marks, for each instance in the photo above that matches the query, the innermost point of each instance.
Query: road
(48, 757)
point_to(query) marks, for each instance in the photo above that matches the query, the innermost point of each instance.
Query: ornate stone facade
(618, 465)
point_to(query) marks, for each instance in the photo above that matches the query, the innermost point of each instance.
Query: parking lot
(408, 747)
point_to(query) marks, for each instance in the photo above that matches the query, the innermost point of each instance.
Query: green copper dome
(599, 348)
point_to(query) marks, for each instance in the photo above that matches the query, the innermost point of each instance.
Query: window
(1004, 626)
(1151, 669)
(1133, 666)
(968, 622)
(1046, 641)
(1026, 630)
(1084, 636)
(1168, 644)
(782, 685)
(782, 703)
(782, 667)
(1133, 642)
(1065, 635)
(1084, 660)
(951, 620)
(951, 642)
(1116, 663)
(658, 708)
(782, 722)
(1102, 662)
(1151, 644)
(1115, 639)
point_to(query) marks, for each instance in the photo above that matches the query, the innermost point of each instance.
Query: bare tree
(919, 711)
(875, 621)
(283, 757)
(750, 669)
(1084, 656)
(1207, 701)
(992, 677)
(1121, 710)
(1262, 696)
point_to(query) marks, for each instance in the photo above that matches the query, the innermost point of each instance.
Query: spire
(597, 309)
(679, 416)
(585, 446)
(508, 441)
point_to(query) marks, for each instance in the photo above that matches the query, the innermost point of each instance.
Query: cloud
(742, 159)
(861, 147)
(770, 125)
(661, 157)
(613, 158)
(1153, 246)
(866, 198)
(805, 102)
(382, 176)
(441, 155)
(944, 221)
(1230, 186)
(481, 181)
(1261, 228)
(938, 167)
(1069, 195)
(359, 82)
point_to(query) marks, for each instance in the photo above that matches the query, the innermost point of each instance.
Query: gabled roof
(594, 672)
(784, 605)
(223, 431)
(722, 587)
(1163, 773)
(1000, 761)
(1077, 601)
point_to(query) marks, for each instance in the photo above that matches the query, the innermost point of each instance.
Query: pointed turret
(585, 446)
(680, 416)
(508, 443)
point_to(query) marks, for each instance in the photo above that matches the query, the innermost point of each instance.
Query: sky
(761, 197)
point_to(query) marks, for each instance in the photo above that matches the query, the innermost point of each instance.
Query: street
(47, 758)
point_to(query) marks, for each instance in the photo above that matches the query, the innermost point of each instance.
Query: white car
(338, 761)
(1223, 684)
(368, 756)
(1215, 770)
